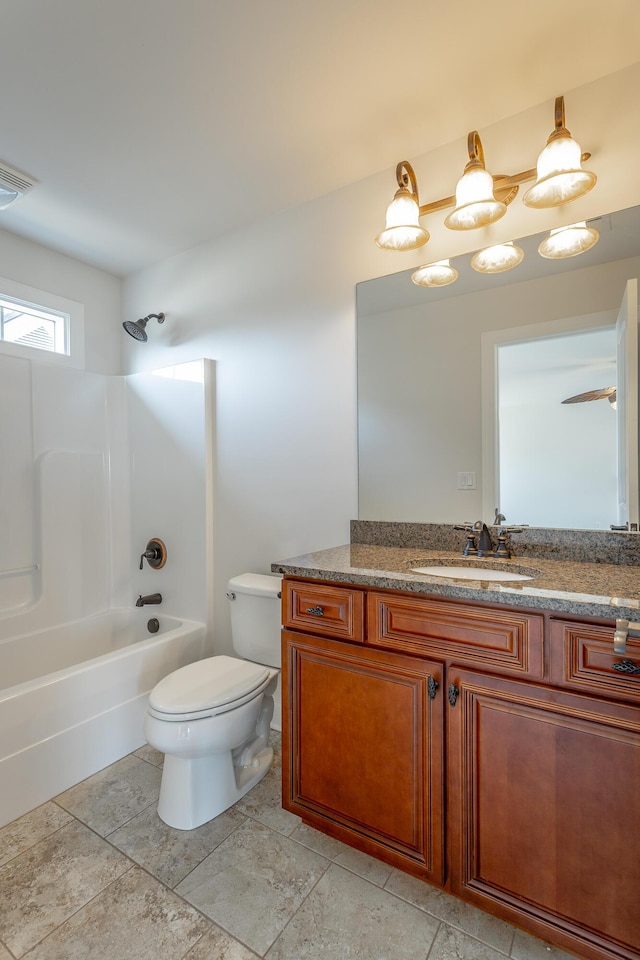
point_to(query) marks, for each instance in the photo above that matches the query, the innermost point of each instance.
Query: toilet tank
(256, 618)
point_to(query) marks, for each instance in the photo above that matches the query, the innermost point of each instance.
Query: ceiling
(154, 125)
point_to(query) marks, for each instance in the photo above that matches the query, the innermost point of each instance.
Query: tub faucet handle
(155, 554)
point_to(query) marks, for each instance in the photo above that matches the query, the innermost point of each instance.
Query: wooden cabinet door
(362, 749)
(544, 808)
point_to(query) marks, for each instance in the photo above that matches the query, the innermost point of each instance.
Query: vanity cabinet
(544, 806)
(491, 750)
(362, 749)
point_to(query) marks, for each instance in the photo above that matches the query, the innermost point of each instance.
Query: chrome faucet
(150, 598)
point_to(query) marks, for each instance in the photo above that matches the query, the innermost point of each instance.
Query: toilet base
(197, 790)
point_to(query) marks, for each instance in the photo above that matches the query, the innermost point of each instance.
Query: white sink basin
(471, 573)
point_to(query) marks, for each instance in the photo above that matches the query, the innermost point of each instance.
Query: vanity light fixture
(570, 241)
(402, 230)
(560, 177)
(476, 204)
(498, 258)
(437, 274)
(481, 198)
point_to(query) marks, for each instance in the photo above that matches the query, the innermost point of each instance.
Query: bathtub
(74, 698)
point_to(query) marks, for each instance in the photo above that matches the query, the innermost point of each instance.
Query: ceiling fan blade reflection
(605, 393)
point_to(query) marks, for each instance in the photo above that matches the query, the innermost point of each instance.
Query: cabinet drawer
(505, 640)
(582, 658)
(328, 610)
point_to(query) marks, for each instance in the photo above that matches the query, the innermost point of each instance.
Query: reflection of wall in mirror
(419, 388)
(558, 460)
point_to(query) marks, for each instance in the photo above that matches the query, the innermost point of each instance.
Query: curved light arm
(406, 178)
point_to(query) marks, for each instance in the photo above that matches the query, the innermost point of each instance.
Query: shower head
(137, 329)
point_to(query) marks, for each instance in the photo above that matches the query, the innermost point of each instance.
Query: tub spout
(150, 598)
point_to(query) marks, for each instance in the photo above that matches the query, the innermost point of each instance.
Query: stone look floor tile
(29, 829)
(272, 882)
(527, 947)
(50, 881)
(171, 854)
(495, 933)
(136, 918)
(354, 860)
(264, 803)
(253, 883)
(114, 795)
(347, 918)
(316, 840)
(218, 945)
(365, 866)
(150, 754)
(452, 944)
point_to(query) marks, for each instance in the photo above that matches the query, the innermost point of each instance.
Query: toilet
(212, 718)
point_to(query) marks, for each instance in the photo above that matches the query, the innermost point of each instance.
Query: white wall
(30, 263)
(274, 305)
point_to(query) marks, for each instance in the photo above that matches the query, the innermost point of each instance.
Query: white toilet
(212, 718)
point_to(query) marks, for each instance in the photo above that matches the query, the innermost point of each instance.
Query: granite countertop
(606, 590)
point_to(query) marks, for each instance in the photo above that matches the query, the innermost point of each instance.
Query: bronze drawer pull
(316, 611)
(630, 667)
(452, 694)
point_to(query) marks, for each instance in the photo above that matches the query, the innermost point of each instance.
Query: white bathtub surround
(77, 696)
(91, 467)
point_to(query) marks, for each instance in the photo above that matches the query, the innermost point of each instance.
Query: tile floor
(95, 874)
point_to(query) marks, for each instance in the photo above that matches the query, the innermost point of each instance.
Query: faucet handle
(155, 554)
(502, 550)
(470, 547)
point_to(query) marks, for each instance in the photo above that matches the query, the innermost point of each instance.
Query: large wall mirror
(461, 390)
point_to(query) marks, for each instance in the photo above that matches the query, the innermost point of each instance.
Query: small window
(33, 320)
(26, 324)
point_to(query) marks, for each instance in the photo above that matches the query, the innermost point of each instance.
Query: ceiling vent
(13, 184)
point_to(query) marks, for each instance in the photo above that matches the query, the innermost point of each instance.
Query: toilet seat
(208, 687)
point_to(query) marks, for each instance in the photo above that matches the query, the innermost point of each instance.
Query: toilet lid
(207, 684)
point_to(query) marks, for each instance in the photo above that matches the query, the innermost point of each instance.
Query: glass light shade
(568, 241)
(402, 229)
(437, 274)
(560, 177)
(7, 197)
(476, 205)
(497, 259)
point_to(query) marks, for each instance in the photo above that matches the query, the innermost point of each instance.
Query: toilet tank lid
(258, 584)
